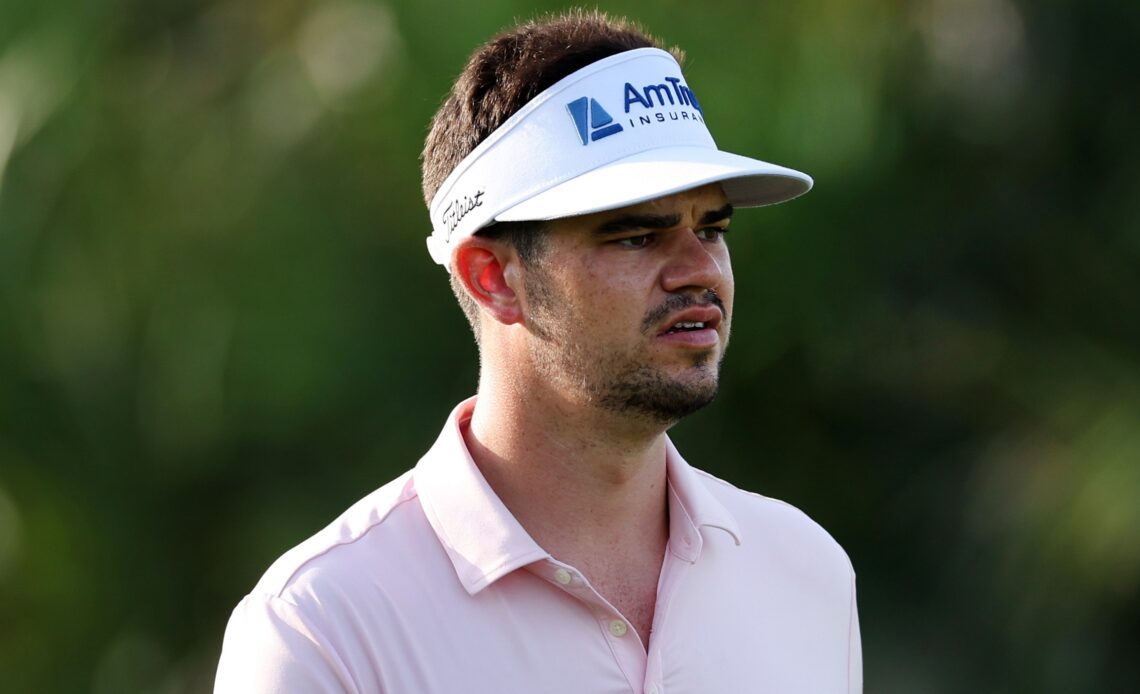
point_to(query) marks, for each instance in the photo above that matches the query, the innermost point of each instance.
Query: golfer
(553, 539)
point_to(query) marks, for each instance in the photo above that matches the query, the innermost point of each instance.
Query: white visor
(620, 131)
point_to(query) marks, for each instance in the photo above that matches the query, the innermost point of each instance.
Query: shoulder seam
(791, 507)
(278, 593)
(732, 486)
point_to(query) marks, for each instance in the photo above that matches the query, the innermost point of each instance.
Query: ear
(489, 272)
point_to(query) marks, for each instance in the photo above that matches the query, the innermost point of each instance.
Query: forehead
(690, 205)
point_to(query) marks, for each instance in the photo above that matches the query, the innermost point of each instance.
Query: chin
(649, 394)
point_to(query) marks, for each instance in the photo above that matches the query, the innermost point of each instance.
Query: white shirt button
(618, 628)
(653, 689)
(562, 576)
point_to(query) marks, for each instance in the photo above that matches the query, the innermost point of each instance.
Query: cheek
(727, 286)
(609, 294)
(596, 278)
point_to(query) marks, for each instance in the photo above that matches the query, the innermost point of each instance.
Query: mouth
(685, 326)
(696, 319)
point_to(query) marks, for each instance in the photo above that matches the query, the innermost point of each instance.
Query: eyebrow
(639, 221)
(714, 216)
(631, 222)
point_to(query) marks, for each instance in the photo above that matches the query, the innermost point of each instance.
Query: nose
(694, 263)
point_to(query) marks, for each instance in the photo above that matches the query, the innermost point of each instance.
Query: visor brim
(659, 172)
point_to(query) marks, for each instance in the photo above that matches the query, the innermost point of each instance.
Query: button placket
(627, 647)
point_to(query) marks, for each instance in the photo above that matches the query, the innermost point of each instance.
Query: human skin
(584, 475)
(613, 284)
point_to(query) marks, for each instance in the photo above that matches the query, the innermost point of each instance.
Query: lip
(705, 338)
(709, 315)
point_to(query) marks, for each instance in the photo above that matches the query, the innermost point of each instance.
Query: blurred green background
(219, 325)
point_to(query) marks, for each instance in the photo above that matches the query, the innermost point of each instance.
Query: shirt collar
(485, 542)
(481, 537)
(692, 507)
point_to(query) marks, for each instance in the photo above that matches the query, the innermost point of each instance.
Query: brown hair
(503, 75)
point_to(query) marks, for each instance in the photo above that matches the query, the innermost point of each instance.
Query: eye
(711, 233)
(640, 241)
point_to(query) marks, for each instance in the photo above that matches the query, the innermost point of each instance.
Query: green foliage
(219, 325)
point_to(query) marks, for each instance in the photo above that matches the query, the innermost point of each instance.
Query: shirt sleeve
(855, 649)
(270, 647)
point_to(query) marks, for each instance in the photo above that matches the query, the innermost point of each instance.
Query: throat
(627, 580)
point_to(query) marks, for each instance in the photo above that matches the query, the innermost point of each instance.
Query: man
(553, 540)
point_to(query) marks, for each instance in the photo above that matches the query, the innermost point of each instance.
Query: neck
(577, 479)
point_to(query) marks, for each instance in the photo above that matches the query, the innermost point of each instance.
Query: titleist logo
(459, 208)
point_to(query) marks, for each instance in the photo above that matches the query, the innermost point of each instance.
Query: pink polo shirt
(429, 584)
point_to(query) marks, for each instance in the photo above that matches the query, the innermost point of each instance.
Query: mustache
(678, 302)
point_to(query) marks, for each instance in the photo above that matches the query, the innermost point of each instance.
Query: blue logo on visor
(591, 120)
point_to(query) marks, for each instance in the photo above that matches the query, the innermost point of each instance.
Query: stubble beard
(650, 394)
(621, 383)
